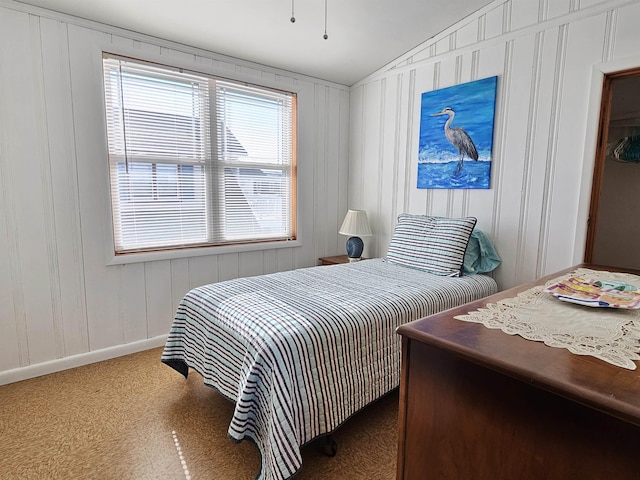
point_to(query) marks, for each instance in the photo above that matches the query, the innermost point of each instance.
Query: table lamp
(355, 225)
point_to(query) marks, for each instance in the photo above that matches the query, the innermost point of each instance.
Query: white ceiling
(364, 35)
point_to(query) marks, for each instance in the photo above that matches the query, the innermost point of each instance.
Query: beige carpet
(136, 418)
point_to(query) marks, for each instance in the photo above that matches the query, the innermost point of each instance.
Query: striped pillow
(433, 244)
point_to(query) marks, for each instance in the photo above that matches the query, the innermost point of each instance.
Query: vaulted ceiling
(363, 35)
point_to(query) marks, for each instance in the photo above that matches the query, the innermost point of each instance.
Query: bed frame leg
(329, 446)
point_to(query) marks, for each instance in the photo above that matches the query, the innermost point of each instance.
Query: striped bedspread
(299, 352)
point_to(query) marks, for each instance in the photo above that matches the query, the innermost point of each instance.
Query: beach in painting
(442, 174)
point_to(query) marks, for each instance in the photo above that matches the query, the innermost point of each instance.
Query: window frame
(117, 258)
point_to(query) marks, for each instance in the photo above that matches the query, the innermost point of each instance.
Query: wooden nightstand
(335, 260)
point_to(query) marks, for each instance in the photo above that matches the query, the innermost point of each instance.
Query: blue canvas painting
(456, 135)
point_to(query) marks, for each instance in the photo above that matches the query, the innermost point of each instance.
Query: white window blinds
(195, 160)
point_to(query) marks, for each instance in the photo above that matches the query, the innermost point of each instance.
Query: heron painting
(456, 135)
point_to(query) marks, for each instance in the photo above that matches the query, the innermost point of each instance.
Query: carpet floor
(135, 418)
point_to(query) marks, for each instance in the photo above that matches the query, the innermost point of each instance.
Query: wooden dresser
(476, 403)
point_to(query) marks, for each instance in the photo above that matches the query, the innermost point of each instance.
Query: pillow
(433, 244)
(481, 256)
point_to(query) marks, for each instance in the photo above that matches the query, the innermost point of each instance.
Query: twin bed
(299, 352)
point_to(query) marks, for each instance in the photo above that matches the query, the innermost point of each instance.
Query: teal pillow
(481, 256)
(433, 244)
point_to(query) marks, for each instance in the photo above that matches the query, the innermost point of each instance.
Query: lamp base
(355, 246)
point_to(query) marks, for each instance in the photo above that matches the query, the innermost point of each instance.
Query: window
(196, 160)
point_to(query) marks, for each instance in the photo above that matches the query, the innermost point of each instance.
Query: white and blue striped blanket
(299, 352)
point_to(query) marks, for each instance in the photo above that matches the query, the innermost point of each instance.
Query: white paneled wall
(60, 304)
(549, 56)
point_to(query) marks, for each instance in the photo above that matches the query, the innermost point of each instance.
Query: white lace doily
(610, 334)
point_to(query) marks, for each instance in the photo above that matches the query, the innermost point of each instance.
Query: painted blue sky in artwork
(474, 106)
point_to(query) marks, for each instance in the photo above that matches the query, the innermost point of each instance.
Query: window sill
(197, 252)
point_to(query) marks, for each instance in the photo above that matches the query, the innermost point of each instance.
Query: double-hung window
(196, 160)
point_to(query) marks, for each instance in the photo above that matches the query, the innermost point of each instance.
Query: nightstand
(335, 260)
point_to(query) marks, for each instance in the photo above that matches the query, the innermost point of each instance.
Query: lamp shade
(355, 224)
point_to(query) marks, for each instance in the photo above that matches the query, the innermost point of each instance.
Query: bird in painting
(459, 138)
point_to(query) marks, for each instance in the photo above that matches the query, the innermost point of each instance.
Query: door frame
(595, 150)
(601, 154)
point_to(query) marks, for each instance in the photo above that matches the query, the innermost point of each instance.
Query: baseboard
(52, 366)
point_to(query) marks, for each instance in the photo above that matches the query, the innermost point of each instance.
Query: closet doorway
(613, 232)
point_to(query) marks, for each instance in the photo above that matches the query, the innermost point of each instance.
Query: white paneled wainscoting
(550, 57)
(61, 303)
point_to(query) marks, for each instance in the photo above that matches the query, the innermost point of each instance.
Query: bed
(299, 352)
